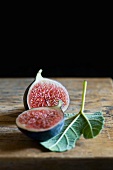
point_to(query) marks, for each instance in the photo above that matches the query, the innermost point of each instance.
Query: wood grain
(18, 151)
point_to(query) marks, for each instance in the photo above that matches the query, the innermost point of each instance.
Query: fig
(41, 123)
(43, 92)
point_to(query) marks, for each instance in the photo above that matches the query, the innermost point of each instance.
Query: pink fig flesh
(39, 119)
(46, 94)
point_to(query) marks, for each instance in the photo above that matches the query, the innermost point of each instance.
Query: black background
(23, 57)
(56, 66)
(61, 45)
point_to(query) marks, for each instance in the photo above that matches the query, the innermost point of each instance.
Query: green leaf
(76, 124)
(89, 125)
(94, 123)
(69, 115)
(70, 133)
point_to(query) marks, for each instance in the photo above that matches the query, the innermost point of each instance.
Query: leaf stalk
(83, 95)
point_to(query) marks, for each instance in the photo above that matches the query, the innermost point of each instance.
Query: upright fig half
(43, 92)
(41, 123)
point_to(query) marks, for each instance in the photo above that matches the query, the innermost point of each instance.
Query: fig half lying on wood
(41, 123)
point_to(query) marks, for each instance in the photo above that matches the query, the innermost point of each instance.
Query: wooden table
(17, 151)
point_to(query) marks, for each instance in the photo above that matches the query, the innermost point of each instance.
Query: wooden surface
(19, 152)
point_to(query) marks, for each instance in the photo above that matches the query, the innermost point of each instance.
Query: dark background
(70, 45)
(58, 56)
(56, 60)
(55, 66)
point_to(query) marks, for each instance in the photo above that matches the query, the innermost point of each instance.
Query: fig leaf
(90, 126)
(76, 124)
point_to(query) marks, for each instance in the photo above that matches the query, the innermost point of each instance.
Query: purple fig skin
(45, 135)
(25, 96)
(42, 133)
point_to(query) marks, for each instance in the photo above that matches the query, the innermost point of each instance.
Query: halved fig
(43, 92)
(41, 123)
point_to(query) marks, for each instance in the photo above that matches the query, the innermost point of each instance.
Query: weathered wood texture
(19, 152)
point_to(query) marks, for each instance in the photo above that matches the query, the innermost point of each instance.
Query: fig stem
(39, 76)
(60, 103)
